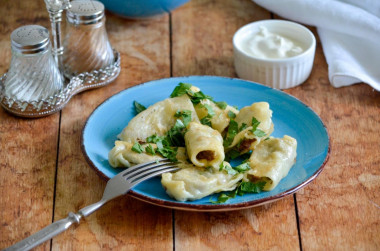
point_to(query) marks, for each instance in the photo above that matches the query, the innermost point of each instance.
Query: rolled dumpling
(271, 160)
(248, 137)
(192, 183)
(204, 145)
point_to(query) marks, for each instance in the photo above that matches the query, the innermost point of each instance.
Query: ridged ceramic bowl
(140, 9)
(279, 73)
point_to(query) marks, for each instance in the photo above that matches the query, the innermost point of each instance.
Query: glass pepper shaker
(33, 74)
(86, 44)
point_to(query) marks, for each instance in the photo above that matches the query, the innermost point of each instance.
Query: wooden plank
(28, 147)
(126, 223)
(340, 210)
(202, 45)
(269, 227)
(202, 35)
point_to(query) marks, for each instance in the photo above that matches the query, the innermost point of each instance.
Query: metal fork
(117, 186)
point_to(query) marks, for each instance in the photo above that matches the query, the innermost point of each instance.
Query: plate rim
(207, 207)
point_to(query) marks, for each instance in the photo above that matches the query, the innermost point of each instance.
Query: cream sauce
(265, 44)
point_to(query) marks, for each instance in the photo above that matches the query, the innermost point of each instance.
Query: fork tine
(136, 172)
(151, 173)
(136, 175)
(142, 166)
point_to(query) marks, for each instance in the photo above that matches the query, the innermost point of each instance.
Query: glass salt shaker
(33, 74)
(86, 44)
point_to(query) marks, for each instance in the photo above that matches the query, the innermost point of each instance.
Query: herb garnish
(167, 144)
(184, 115)
(221, 198)
(242, 167)
(243, 188)
(196, 97)
(256, 131)
(232, 154)
(255, 123)
(251, 187)
(233, 129)
(137, 148)
(138, 107)
(231, 115)
(168, 152)
(149, 149)
(209, 109)
(155, 139)
(184, 88)
(222, 104)
(163, 147)
(206, 120)
(242, 127)
(234, 170)
(180, 89)
(228, 169)
(176, 134)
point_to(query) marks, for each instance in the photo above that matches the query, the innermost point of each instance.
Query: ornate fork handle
(55, 228)
(45, 233)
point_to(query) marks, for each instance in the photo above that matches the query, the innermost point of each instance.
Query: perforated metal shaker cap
(30, 39)
(85, 12)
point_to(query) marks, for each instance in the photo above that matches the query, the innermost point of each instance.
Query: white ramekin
(277, 73)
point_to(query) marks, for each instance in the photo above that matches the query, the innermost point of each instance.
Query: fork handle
(45, 233)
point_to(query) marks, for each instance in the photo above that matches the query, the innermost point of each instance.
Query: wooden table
(43, 174)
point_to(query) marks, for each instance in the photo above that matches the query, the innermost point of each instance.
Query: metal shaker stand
(78, 83)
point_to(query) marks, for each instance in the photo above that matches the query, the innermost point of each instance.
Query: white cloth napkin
(349, 31)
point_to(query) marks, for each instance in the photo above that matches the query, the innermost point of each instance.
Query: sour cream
(265, 44)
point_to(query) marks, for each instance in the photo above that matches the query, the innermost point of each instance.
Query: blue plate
(290, 117)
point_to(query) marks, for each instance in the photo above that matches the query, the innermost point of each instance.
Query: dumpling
(271, 160)
(204, 145)
(192, 183)
(246, 140)
(122, 155)
(156, 119)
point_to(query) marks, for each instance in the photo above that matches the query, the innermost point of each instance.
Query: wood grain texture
(340, 210)
(202, 45)
(269, 227)
(202, 35)
(126, 223)
(28, 148)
